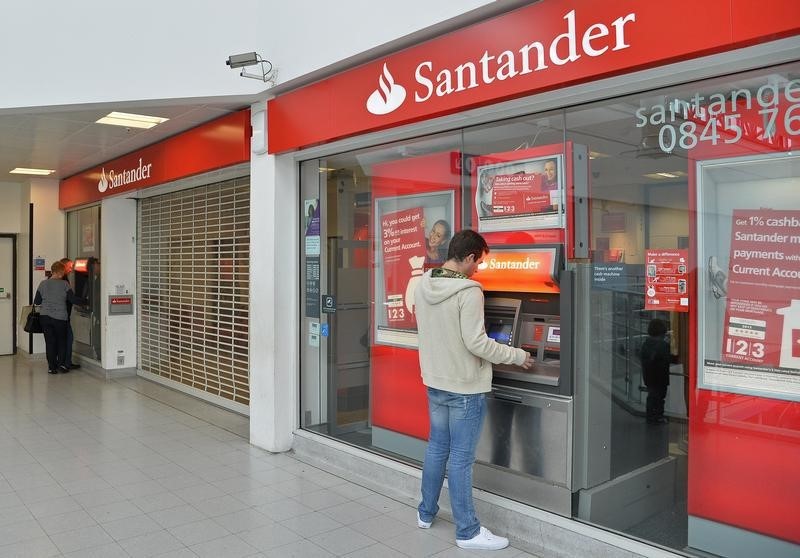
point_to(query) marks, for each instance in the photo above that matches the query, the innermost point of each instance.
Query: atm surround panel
(539, 334)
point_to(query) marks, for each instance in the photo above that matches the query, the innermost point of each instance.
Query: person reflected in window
(485, 188)
(656, 358)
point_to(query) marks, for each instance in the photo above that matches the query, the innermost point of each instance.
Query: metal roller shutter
(193, 276)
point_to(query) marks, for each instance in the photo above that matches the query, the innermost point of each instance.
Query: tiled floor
(93, 468)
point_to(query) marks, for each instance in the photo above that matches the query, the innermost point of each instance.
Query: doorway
(8, 290)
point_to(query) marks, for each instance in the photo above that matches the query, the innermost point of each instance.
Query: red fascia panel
(336, 107)
(217, 144)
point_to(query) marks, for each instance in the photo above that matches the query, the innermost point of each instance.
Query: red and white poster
(516, 194)
(521, 270)
(403, 248)
(666, 280)
(762, 314)
(520, 194)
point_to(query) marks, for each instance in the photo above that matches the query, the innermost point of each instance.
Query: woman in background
(52, 296)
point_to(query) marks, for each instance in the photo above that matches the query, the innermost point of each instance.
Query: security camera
(242, 60)
(265, 71)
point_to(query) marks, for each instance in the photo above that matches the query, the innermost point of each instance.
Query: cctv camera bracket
(267, 75)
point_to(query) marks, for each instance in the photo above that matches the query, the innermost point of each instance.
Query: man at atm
(455, 356)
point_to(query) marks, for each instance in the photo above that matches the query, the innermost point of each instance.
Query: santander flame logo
(102, 186)
(389, 95)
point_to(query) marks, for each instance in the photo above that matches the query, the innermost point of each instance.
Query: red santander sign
(519, 270)
(217, 144)
(544, 46)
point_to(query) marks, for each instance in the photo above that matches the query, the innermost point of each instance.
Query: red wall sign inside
(744, 448)
(519, 271)
(667, 280)
(762, 286)
(217, 144)
(399, 399)
(544, 46)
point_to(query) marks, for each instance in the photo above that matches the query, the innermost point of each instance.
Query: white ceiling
(69, 140)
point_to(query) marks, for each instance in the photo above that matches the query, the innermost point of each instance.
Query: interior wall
(9, 207)
(668, 215)
(24, 295)
(49, 224)
(10, 224)
(630, 241)
(118, 276)
(274, 392)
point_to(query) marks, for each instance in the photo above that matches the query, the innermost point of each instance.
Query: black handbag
(33, 323)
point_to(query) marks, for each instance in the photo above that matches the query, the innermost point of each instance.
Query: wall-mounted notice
(312, 286)
(666, 280)
(311, 227)
(761, 329)
(763, 289)
(87, 238)
(403, 247)
(412, 234)
(520, 194)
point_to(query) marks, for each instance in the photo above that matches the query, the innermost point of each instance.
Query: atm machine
(525, 450)
(86, 320)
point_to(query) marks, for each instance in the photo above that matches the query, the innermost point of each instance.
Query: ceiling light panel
(665, 175)
(129, 120)
(34, 172)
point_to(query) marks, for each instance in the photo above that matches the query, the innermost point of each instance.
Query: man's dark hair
(464, 243)
(656, 328)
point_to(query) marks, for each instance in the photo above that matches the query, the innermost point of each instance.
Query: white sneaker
(484, 540)
(423, 524)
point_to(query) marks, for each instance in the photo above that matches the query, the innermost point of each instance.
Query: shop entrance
(84, 249)
(685, 305)
(8, 295)
(193, 253)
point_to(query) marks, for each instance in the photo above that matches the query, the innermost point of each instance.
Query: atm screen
(500, 332)
(554, 334)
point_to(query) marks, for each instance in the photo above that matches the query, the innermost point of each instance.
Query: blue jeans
(456, 422)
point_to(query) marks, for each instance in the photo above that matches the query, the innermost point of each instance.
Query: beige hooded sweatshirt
(455, 354)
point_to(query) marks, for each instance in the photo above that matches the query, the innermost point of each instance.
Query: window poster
(666, 280)
(311, 249)
(762, 310)
(412, 235)
(87, 238)
(520, 195)
(752, 301)
(311, 227)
